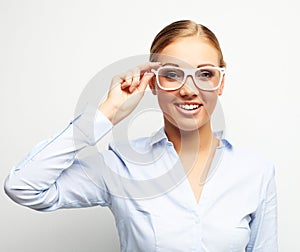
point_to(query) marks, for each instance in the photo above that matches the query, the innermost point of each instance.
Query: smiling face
(188, 108)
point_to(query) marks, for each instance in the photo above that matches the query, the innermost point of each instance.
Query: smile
(188, 107)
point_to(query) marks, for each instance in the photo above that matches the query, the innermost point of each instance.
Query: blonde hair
(181, 29)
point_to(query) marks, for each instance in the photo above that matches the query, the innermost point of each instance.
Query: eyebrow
(176, 65)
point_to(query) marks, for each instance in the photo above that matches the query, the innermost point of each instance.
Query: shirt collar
(160, 136)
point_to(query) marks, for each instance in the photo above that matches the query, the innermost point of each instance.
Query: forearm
(34, 181)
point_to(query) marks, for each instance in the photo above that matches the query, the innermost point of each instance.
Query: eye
(205, 74)
(171, 74)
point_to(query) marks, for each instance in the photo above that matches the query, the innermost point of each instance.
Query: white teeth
(189, 107)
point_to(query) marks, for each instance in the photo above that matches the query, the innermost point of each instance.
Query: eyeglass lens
(205, 78)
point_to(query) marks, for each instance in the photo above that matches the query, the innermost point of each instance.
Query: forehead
(192, 51)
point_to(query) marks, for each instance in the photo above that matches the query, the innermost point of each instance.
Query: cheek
(165, 99)
(210, 100)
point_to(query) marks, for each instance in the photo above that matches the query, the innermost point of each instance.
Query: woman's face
(188, 108)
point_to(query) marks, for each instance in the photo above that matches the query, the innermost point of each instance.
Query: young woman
(171, 200)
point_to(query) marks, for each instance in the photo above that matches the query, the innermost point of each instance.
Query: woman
(234, 210)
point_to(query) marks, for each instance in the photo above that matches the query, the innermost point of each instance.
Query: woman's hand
(126, 91)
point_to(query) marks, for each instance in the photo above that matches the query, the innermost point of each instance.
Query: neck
(190, 141)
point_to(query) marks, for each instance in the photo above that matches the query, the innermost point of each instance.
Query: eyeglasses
(206, 78)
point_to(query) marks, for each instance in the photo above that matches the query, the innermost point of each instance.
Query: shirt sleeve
(52, 176)
(264, 221)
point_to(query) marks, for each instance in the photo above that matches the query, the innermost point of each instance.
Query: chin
(187, 126)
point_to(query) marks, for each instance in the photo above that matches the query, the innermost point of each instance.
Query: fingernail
(148, 73)
(155, 63)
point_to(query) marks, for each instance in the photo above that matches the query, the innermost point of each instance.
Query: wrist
(109, 110)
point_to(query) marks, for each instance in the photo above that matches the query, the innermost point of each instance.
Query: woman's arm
(264, 221)
(51, 176)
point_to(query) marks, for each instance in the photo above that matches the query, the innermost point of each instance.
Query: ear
(220, 90)
(152, 85)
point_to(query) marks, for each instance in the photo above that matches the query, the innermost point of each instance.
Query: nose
(189, 87)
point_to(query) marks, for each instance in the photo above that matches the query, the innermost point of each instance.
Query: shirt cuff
(93, 124)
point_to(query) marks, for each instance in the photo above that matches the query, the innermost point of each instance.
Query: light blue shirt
(148, 193)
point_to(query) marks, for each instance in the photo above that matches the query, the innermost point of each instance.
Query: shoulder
(140, 145)
(249, 162)
(245, 172)
(137, 145)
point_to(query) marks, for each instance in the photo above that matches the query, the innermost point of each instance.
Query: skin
(189, 131)
(192, 52)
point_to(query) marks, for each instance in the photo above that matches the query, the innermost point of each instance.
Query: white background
(49, 50)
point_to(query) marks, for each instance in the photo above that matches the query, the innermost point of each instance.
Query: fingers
(131, 80)
(145, 80)
(149, 65)
(135, 82)
(135, 79)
